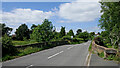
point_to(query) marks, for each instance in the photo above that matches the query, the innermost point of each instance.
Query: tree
(33, 26)
(22, 32)
(43, 32)
(79, 31)
(92, 35)
(70, 33)
(5, 30)
(104, 34)
(110, 20)
(62, 32)
(84, 35)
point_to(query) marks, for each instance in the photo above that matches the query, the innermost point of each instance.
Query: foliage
(56, 35)
(29, 50)
(7, 46)
(62, 32)
(78, 31)
(33, 26)
(101, 54)
(110, 21)
(70, 33)
(104, 34)
(67, 37)
(5, 30)
(22, 32)
(91, 34)
(99, 40)
(90, 47)
(84, 35)
(16, 43)
(43, 32)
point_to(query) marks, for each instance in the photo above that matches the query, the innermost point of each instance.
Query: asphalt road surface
(66, 55)
(97, 61)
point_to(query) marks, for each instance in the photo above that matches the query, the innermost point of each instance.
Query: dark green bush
(7, 46)
(66, 38)
(101, 54)
(99, 40)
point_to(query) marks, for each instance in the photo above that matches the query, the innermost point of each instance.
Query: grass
(16, 43)
(113, 57)
(101, 54)
(29, 50)
(90, 47)
(21, 52)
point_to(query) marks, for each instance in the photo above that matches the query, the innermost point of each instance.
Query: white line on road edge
(89, 60)
(55, 54)
(86, 59)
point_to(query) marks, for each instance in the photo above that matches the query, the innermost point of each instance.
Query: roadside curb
(88, 59)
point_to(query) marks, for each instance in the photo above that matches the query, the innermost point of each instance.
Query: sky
(72, 15)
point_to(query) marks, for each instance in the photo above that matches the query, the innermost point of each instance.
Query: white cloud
(80, 11)
(28, 16)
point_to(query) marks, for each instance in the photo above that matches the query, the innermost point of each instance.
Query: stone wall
(107, 51)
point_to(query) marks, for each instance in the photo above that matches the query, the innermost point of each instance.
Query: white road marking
(70, 47)
(29, 66)
(55, 54)
(89, 60)
(87, 56)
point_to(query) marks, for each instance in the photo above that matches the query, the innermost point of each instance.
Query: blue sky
(71, 15)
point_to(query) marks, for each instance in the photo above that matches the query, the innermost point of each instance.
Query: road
(97, 61)
(66, 55)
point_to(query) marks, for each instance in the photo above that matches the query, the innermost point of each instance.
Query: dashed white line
(55, 54)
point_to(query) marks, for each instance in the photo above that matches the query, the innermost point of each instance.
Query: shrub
(99, 40)
(7, 57)
(7, 46)
(101, 54)
(66, 38)
(90, 47)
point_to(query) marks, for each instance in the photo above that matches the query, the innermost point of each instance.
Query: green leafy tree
(104, 34)
(33, 26)
(78, 31)
(62, 32)
(22, 32)
(70, 33)
(43, 32)
(5, 30)
(92, 35)
(110, 20)
(84, 35)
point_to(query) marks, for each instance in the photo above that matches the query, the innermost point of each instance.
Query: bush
(66, 38)
(99, 40)
(90, 47)
(7, 57)
(101, 54)
(7, 46)
(29, 50)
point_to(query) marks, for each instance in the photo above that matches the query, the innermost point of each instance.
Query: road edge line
(88, 59)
